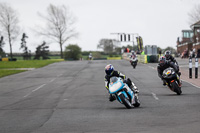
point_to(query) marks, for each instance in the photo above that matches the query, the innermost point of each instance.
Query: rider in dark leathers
(163, 64)
(170, 58)
(110, 72)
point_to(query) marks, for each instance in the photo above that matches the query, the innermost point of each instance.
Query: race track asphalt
(70, 97)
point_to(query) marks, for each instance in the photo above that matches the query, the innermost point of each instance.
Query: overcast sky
(158, 22)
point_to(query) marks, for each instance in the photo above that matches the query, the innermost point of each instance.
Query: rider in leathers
(163, 64)
(133, 55)
(170, 58)
(110, 72)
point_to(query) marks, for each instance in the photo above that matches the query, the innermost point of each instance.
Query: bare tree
(9, 23)
(2, 53)
(107, 45)
(194, 15)
(59, 25)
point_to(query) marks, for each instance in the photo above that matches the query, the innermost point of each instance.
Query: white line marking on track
(52, 80)
(191, 83)
(154, 95)
(35, 90)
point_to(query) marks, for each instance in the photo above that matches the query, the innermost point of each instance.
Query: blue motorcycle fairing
(130, 92)
(123, 89)
(114, 84)
(121, 92)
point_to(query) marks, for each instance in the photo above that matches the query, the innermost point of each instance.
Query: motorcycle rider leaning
(133, 55)
(162, 65)
(110, 72)
(170, 58)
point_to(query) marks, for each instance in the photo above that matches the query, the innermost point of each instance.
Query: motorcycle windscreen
(113, 79)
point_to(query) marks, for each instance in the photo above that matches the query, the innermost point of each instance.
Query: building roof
(187, 31)
(197, 24)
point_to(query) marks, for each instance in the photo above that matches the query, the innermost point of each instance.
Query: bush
(13, 59)
(72, 52)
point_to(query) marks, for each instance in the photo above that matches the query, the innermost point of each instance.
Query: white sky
(158, 22)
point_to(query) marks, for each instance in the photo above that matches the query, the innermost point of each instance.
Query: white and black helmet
(167, 54)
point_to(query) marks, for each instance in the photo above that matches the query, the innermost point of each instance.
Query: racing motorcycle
(133, 61)
(90, 56)
(171, 78)
(123, 93)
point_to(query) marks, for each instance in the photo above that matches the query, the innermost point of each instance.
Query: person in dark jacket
(110, 72)
(170, 58)
(163, 64)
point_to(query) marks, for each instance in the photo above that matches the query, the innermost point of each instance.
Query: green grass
(23, 64)
(27, 63)
(9, 72)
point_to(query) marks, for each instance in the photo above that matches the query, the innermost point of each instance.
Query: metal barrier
(114, 58)
(141, 58)
(5, 59)
(126, 56)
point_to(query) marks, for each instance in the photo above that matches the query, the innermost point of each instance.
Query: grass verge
(9, 72)
(23, 64)
(27, 63)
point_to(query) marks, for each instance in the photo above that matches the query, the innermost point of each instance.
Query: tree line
(59, 22)
(59, 27)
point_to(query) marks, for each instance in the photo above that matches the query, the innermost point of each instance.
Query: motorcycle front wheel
(176, 88)
(125, 101)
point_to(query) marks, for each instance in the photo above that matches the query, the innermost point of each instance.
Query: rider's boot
(164, 83)
(179, 80)
(112, 97)
(134, 88)
(179, 83)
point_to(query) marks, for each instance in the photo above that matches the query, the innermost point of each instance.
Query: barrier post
(190, 67)
(196, 67)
